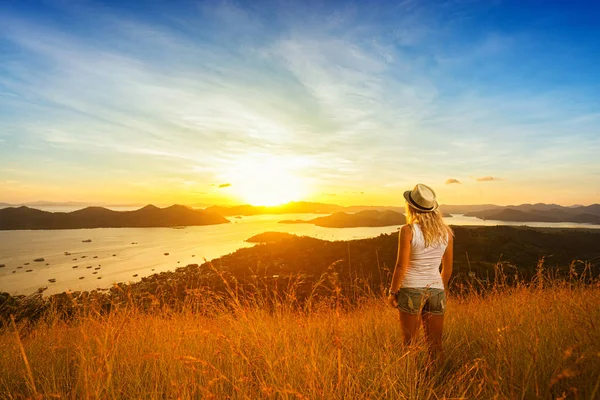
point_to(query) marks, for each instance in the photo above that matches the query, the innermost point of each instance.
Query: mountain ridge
(150, 216)
(541, 213)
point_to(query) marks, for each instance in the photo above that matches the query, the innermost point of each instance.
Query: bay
(128, 254)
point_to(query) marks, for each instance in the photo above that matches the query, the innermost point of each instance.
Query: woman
(418, 287)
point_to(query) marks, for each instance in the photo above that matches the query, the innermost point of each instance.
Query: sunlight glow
(267, 181)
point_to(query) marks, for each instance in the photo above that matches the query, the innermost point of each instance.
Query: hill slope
(526, 343)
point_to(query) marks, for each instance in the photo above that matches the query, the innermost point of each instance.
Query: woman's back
(424, 268)
(418, 286)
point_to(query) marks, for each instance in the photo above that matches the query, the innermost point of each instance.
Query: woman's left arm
(447, 260)
(401, 262)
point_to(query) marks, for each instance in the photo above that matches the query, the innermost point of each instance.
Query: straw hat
(422, 197)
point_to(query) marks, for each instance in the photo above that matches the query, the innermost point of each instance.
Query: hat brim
(410, 201)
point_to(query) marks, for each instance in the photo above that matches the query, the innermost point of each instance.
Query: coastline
(469, 238)
(130, 254)
(306, 271)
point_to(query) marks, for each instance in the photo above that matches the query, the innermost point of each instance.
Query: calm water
(117, 254)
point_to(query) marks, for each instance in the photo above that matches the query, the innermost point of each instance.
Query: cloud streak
(488, 179)
(451, 181)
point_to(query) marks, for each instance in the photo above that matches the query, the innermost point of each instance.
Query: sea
(88, 259)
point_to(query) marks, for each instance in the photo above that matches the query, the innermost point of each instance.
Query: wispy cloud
(488, 179)
(451, 181)
(348, 97)
(224, 185)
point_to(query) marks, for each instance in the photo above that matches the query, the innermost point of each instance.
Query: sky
(231, 102)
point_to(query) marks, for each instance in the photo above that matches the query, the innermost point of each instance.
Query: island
(15, 218)
(270, 237)
(368, 218)
(541, 213)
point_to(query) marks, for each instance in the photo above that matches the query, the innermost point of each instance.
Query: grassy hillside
(361, 266)
(305, 318)
(476, 249)
(537, 341)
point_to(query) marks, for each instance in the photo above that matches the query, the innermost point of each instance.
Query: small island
(270, 237)
(368, 218)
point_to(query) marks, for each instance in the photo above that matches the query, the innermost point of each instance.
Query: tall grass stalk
(517, 342)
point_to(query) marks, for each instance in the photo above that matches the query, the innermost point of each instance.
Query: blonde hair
(435, 230)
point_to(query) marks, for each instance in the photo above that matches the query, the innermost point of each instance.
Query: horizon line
(42, 203)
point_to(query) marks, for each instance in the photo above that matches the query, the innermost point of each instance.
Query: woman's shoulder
(411, 227)
(406, 230)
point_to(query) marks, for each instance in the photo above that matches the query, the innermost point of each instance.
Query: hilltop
(23, 217)
(476, 249)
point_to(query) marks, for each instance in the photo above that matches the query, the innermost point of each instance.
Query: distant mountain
(586, 218)
(70, 204)
(97, 217)
(463, 209)
(44, 203)
(354, 209)
(542, 213)
(368, 218)
(294, 207)
(555, 208)
(289, 208)
(591, 209)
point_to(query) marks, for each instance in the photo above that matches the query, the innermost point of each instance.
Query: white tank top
(424, 266)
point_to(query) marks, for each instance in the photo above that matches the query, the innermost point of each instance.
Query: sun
(265, 182)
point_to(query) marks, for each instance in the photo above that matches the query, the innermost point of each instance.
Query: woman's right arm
(447, 260)
(404, 239)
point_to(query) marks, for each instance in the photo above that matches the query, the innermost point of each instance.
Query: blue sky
(354, 102)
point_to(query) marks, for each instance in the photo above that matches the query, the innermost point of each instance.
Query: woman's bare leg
(433, 326)
(410, 327)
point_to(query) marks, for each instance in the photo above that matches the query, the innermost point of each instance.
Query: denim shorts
(421, 300)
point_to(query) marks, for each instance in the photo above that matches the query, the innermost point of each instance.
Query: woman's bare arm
(403, 257)
(447, 260)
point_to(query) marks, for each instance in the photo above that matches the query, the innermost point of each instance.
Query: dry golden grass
(513, 343)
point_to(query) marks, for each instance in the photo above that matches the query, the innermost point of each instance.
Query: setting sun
(266, 182)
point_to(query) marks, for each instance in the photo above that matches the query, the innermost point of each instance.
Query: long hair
(435, 230)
